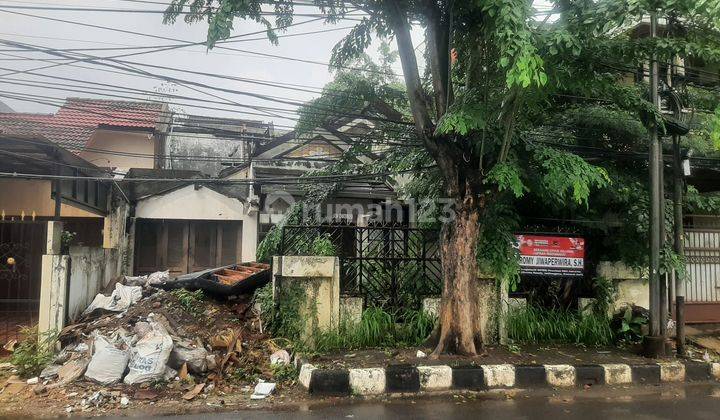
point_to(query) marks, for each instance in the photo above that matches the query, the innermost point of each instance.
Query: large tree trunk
(459, 320)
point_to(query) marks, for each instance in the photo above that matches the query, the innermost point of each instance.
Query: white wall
(124, 142)
(189, 203)
(91, 269)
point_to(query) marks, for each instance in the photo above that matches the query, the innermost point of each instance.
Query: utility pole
(678, 245)
(655, 343)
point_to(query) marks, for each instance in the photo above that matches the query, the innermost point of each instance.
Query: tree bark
(460, 331)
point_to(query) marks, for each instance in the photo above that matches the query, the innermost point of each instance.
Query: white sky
(49, 34)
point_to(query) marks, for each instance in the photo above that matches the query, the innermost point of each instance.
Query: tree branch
(437, 35)
(415, 92)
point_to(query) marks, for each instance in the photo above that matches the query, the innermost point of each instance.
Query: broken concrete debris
(262, 390)
(144, 337)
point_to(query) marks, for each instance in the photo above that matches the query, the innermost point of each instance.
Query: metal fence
(21, 248)
(388, 266)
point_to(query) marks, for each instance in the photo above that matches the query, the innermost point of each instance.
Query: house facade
(175, 229)
(59, 205)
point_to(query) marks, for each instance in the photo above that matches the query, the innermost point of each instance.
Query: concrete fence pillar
(319, 279)
(53, 293)
(631, 285)
(53, 281)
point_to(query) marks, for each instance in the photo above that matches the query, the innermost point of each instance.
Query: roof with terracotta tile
(76, 121)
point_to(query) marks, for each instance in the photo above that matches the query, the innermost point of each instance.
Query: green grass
(378, 329)
(539, 325)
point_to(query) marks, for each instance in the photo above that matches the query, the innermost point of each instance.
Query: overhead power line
(193, 83)
(346, 16)
(191, 125)
(184, 43)
(310, 179)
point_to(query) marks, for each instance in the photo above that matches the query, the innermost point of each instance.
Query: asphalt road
(692, 402)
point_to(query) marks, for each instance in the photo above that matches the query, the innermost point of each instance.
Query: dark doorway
(185, 246)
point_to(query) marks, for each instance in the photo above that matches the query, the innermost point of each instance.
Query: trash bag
(120, 299)
(136, 280)
(158, 277)
(149, 280)
(108, 362)
(149, 355)
(280, 357)
(195, 357)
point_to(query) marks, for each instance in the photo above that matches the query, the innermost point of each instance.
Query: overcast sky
(49, 34)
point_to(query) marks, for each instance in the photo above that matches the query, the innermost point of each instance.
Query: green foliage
(377, 328)
(190, 302)
(270, 245)
(507, 177)
(698, 203)
(604, 292)
(715, 128)
(246, 374)
(33, 352)
(540, 325)
(282, 316)
(284, 373)
(562, 85)
(263, 298)
(323, 246)
(512, 32)
(630, 329)
(463, 118)
(567, 175)
(496, 253)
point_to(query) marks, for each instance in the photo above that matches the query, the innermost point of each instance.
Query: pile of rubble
(145, 343)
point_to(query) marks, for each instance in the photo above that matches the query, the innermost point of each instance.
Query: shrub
(33, 352)
(323, 246)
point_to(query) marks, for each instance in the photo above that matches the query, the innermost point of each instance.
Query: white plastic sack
(120, 299)
(136, 280)
(108, 362)
(158, 277)
(149, 356)
(280, 357)
(195, 357)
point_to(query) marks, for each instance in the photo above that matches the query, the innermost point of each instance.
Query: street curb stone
(468, 378)
(330, 382)
(530, 376)
(404, 378)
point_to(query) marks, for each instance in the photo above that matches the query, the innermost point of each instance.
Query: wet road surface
(690, 402)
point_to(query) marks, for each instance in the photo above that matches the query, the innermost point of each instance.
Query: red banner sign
(551, 255)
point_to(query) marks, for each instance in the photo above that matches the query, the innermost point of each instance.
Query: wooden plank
(218, 244)
(191, 248)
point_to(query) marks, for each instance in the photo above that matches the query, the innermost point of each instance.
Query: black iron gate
(388, 266)
(21, 248)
